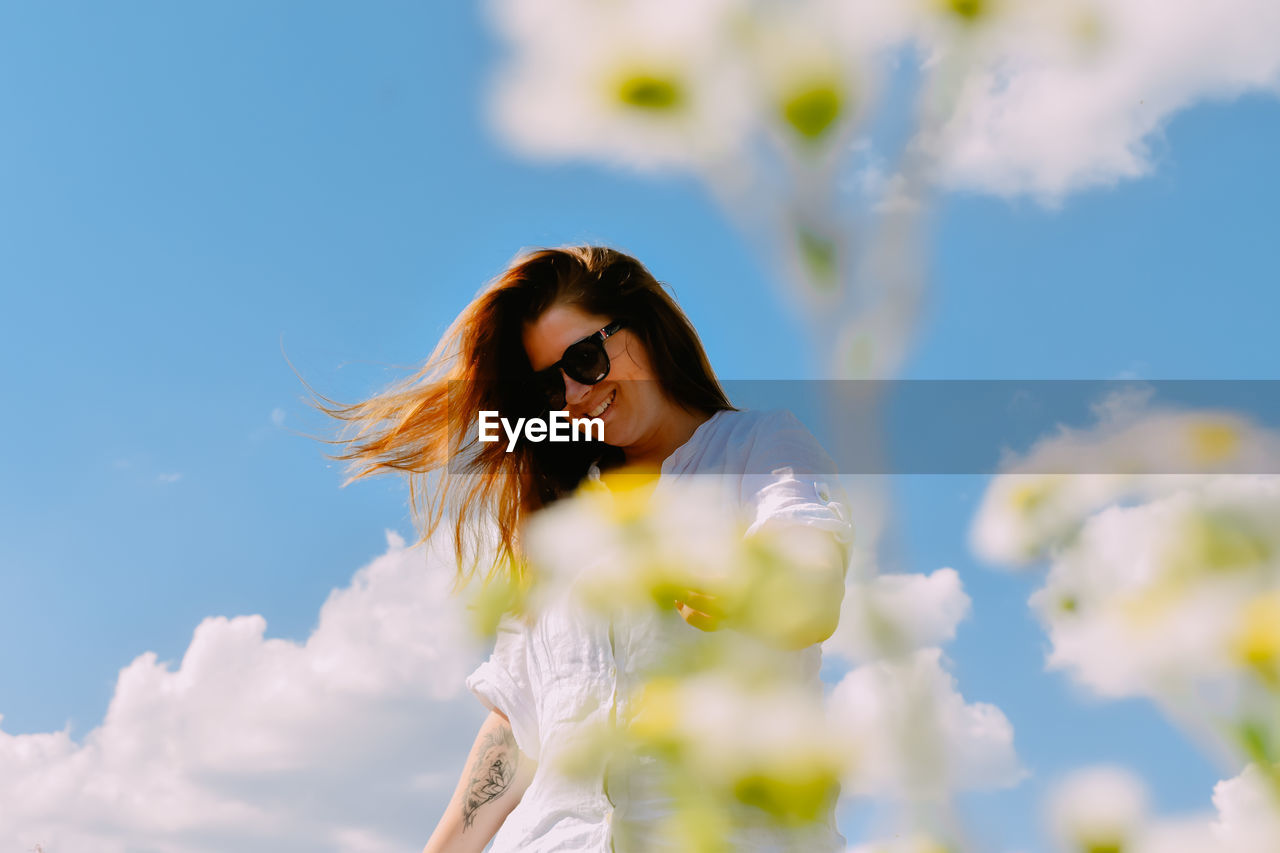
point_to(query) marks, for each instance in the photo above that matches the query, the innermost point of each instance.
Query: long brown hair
(426, 424)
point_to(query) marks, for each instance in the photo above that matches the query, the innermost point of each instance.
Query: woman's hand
(701, 610)
(789, 603)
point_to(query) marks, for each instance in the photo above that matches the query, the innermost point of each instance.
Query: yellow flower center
(1258, 642)
(813, 110)
(1213, 442)
(1217, 541)
(653, 92)
(968, 10)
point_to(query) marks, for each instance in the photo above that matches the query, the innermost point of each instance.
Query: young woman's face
(635, 404)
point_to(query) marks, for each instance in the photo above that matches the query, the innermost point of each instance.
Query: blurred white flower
(728, 731)
(1066, 94)
(811, 71)
(618, 548)
(1098, 808)
(1038, 97)
(1161, 585)
(1105, 808)
(892, 728)
(649, 84)
(1132, 452)
(1152, 599)
(734, 749)
(630, 545)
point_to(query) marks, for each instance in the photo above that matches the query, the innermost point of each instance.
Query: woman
(589, 331)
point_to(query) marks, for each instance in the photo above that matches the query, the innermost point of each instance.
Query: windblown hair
(421, 424)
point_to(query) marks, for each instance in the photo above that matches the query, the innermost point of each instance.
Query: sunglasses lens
(587, 362)
(551, 385)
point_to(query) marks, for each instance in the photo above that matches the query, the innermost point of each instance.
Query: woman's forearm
(492, 783)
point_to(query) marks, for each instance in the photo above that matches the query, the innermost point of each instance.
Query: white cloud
(897, 613)
(169, 477)
(1248, 813)
(1045, 119)
(352, 741)
(916, 734)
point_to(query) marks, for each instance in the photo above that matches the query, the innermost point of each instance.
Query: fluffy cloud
(1047, 116)
(349, 741)
(897, 613)
(915, 733)
(1248, 817)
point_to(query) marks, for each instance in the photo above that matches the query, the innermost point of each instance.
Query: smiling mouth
(604, 406)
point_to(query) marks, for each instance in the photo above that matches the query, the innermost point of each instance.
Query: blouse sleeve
(791, 480)
(502, 683)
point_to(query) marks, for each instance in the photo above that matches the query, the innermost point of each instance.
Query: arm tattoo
(493, 772)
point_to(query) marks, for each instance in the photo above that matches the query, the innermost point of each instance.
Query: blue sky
(190, 193)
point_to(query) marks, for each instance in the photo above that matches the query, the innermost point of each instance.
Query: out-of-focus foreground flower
(1105, 808)
(727, 722)
(1161, 586)
(781, 108)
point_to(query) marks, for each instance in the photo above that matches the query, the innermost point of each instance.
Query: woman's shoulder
(777, 437)
(762, 423)
(747, 441)
(757, 421)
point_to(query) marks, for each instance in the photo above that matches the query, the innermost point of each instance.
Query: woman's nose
(574, 391)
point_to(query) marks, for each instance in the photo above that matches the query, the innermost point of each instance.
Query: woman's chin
(614, 439)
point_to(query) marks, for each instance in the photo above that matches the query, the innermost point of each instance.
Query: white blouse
(569, 670)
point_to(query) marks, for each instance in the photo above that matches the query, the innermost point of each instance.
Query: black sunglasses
(584, 361)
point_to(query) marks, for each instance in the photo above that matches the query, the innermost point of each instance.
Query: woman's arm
(493, 781)
(793, 611)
